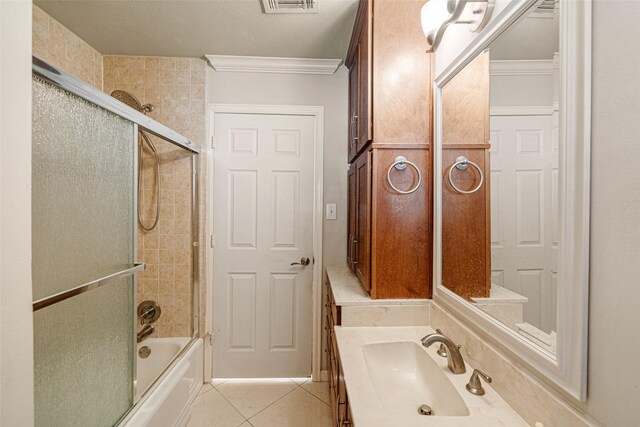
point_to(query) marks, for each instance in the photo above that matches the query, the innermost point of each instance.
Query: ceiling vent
(545, 9)
(290, 6)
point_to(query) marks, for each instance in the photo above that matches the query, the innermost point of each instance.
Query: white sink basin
(405, 377)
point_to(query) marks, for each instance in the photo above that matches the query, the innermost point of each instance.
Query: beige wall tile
(167, 63)
(175, 87)
(183, 63)
(54, 43)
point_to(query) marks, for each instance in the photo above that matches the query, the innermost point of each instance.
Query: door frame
(318, 200)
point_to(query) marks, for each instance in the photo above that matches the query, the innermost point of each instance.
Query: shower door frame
(141, 122)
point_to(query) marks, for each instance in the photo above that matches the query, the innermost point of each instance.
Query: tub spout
(145, 332)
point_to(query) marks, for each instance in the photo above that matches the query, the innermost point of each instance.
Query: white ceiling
(530, 38)
(193, 28)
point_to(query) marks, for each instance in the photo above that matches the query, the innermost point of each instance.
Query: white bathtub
(167, 405)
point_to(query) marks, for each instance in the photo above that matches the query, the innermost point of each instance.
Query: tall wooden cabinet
(466, 220)
(390, 233)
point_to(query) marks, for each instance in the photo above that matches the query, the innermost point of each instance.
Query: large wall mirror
(512, 160)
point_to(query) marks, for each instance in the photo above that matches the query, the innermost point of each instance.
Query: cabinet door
(363, 222)
(364, 85)
(354, 78)
(342, 399)
(352, 217)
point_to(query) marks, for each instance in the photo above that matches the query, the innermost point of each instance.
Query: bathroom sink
(405, 377)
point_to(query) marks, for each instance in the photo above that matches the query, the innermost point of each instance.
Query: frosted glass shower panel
(84, 358)
(83, 191)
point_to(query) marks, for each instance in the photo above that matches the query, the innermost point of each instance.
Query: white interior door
(263, 222)
(524, 212)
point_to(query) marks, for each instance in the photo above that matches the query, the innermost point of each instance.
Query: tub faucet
(145, 332)
(454, 358)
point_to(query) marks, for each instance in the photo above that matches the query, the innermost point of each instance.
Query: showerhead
(133, 102)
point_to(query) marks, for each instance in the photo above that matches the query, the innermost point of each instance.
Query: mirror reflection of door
(502, 112)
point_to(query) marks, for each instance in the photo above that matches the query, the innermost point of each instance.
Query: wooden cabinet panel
(402, 74)
(337, 389)
(352, 217)
(365, 86)
(465, 106)
(363, 231)
(466, 232)
(466, 223)
(401, 226)
(354, 96)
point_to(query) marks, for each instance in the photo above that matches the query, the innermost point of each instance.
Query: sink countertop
(347, 290)
(366, 407)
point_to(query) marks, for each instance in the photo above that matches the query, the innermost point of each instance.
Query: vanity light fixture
(436, 15)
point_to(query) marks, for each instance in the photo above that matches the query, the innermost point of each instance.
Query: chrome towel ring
(400, 164)
(462, 163)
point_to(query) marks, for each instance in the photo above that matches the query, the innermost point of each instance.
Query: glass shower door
(84, 232)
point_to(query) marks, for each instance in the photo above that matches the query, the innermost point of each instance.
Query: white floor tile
(217, 382)
(299, 380)
(205, 388)
(319, 390)
(296, 409)
(251, 396)
(212, 410)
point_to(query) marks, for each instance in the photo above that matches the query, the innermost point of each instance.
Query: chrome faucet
(454, 358)
(145, 332)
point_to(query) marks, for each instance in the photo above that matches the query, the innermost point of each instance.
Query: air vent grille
(545, 8)
(290, 6)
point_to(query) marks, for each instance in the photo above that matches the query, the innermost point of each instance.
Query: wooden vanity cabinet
(337, 389)
(390, 115)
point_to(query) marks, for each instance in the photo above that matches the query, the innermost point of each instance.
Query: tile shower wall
(55, 44)
(176, 89)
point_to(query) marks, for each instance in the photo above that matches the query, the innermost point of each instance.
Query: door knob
(303, 261)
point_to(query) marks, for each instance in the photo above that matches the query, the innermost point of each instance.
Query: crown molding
(262, 64)
(524, 110)
(526, 67)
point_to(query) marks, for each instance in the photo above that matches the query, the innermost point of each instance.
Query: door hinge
(209, 337)
(213, 142)
(213, 241)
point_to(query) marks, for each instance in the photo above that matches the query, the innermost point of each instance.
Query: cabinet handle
(354, 260)
(354, 120)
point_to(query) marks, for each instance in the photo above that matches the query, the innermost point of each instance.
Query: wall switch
(331, 211)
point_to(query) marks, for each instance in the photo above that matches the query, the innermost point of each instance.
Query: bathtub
(167, 403)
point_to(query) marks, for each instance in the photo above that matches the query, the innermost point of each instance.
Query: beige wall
(614, 337)
(296, 89)
(16, 315)
(176, 89)
(54, 43)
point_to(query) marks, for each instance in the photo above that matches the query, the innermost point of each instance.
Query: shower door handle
(303, 261)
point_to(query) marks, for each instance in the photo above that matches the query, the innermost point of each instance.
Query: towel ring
(400, 164)
(462, 163)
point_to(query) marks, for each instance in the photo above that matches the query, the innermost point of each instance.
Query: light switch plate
(331, 211)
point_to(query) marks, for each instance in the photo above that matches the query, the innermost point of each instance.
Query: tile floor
(262, 403)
